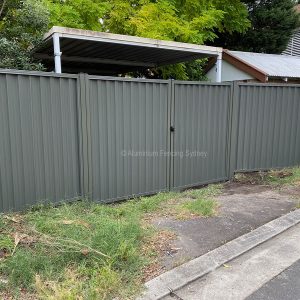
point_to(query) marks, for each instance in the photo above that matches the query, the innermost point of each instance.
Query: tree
(272, 25)
(177, 20)
(22, 25)
(82, 14)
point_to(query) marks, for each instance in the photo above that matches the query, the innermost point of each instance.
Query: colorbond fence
(69, 136)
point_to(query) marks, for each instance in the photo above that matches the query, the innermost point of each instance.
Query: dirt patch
(293, 191)
(242, 208)
(161, 244)
(232, 188)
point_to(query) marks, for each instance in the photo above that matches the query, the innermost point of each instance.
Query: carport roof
(109, 54)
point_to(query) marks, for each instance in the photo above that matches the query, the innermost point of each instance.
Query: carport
(71, 50)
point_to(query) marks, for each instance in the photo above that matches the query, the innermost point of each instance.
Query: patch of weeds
(201, 207)
(202, 200)
(273, 177)
(250, 178)
(211, 190)
(283, 177)
(86, 250)
(6, 245)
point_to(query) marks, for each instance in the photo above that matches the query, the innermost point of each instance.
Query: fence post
(233, 129)
(84, 132)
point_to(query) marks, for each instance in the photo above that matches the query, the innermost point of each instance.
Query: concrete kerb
(181, 276)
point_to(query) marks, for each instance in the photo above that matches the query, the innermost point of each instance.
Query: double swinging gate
(68, 136)
(150, 136)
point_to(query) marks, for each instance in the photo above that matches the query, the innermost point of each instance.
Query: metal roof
(106, 53)
(273, 65)
(293, 47)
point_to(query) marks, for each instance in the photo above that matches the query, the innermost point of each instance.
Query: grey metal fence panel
(39, 139)
(267, 127)
(128, 134)
(201, 133)
(63, 136)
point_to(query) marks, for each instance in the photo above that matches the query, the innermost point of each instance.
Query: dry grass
(86, 250)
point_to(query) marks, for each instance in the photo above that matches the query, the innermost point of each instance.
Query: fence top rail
(203, 83)
(36, 73)
(113, 78)
(269, 84)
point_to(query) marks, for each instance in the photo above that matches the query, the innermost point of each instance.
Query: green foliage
(82, 14)
(177, 20)
(272, 25)
(22, 24)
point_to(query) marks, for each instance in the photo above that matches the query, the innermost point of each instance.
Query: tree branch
(2, 7)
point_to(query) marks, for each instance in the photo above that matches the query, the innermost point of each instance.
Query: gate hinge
(172, 128)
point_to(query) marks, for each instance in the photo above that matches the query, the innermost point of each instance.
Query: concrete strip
(179, 277)
(246, 274)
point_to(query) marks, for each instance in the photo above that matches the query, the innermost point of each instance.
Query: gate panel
(201, 121)
(128, 133)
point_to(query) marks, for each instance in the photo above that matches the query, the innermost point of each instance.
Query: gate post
(233, 129)
(84, 134)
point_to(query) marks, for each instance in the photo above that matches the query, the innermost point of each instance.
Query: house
(293, 47)
(256, 67)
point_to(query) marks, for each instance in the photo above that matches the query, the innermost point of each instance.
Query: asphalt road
(285, 286)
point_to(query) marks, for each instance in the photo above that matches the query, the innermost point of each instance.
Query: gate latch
(172, 128)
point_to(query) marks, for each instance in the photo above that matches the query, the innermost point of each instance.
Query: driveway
(242, 208)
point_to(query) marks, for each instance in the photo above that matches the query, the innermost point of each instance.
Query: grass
(86, 250)
(204, 203)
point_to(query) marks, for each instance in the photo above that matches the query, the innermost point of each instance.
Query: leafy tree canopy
(178, 20)
(272, 25)
(22, 25)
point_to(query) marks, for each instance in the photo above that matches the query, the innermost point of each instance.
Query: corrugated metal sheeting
(64, 136)
(39, 140)
(201, 133)
(273, 65)
(128, 123)
(267, 129)
(293, 47)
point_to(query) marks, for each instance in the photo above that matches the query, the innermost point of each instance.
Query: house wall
(229, 73)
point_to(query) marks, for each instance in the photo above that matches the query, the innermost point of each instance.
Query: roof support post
(219, 68)
(57, 53)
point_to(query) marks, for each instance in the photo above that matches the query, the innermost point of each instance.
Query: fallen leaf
(85, 252)
(68, 222)
(13, 219)
(17, 238)
(83, 223)
(226, 266)
(17, 241)
(76, 222)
